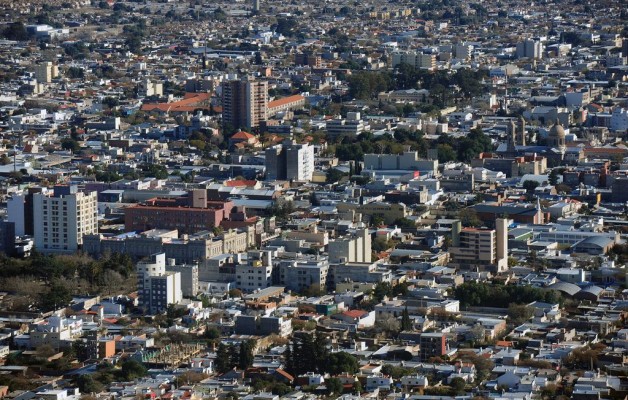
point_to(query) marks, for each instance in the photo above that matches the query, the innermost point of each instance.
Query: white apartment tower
(530, 49)
(157, 287)
(60, 220)
(290, 161)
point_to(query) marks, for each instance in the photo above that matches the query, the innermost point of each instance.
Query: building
(462, 51)
(294, 102)
(189, 277)
(487, 248)
(351, 126)
(290, 161)
(45, 72)
(20, 211)
(432, 345)
(256, 272)
(244, 103)
(186, 214)
(355, 247)
(57, 332)
(421, 96)
(417, 60)
(63, 218)
(620, 194)
(157, 287)
(309, 59)
(388, 212)
(530, 49)
(408, 161)
(262, 326)
(304, 274)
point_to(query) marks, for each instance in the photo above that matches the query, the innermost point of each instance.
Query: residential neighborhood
(273, 200)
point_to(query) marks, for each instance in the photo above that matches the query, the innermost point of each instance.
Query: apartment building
(530, 49)
(157, 287)
(45, 72)
(244, 103)
(355, 247)
(416, 59)
(407, 161)
(61, 219)
(256, 272)
(487, 248)
(303, 274)
(432, 345)
(290, 161)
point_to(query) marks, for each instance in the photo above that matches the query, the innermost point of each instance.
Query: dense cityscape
(273, 200)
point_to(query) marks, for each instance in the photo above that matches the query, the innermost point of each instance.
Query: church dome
(557, 130)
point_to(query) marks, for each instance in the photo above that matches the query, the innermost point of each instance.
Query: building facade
(63, 218)
(157, 287)
(290, 161)
(244, 103)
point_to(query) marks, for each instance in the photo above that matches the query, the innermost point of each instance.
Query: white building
(62, 219)
(530, 49)
(290, 161)
(256, 273)
(417, 60)
(353, 248)
(352, 125)
(156, 287)
(619, 120)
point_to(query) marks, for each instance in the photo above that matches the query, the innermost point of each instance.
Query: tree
(57, 296)
(87, 384)
(245, 358)
(477, 333)
(519, 313)
(133, 369)
(223, 362)
(342, 362)
(15, 31)
(406, 323)
(469, 218)
(458, 386)
(70, 144)
(553, 177)
(334, 386)
(529, 186)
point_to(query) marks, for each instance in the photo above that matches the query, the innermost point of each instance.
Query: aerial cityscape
(296, 200)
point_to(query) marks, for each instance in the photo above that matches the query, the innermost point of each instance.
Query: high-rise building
(63, 218)
(432, 345)
(351, 248)
(256, 5)
(290, 161)
(481, 248)
(20, 211)
(157, 287)
(45, 72)
(462, 51)
(244, 103)
(530, 49)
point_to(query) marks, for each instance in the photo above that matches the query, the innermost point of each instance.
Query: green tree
(223, 360)
(458, 386)
(15, 31)
(133, 369)
(57, 296)
(245, 358)
(406, 323)
(334, 386)
(342, 362)
(529, 186)
(519, 313)
(87, 384)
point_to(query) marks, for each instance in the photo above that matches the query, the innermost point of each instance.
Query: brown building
(188, 215)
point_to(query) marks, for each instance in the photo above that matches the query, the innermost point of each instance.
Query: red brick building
(187, 214)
